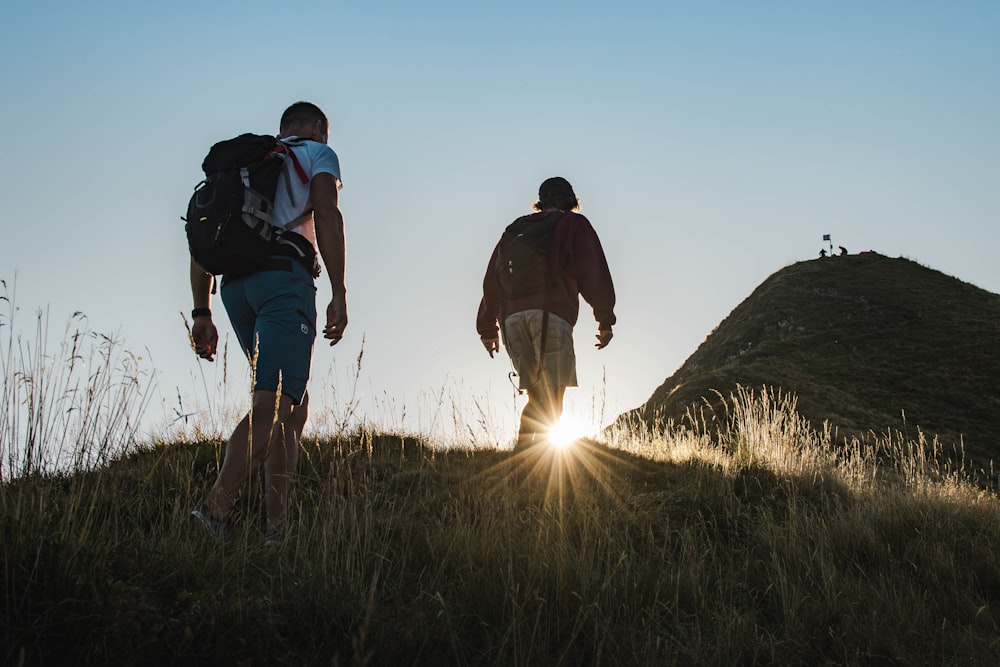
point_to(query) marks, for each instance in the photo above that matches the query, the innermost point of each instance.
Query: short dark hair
(557, 193)
(303, 113)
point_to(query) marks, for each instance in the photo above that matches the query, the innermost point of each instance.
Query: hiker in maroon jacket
(576, 266)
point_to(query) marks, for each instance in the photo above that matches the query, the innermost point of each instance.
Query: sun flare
(568, 430)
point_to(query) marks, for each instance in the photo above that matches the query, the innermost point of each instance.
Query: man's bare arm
(203, 331)
(332, 248)
(201, 286)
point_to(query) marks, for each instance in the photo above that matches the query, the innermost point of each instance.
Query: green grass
(869, 345)
(755, 544)
(738, 535)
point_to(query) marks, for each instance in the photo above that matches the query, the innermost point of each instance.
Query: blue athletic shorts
(273, 313)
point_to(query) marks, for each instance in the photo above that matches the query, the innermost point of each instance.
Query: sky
(711, 144)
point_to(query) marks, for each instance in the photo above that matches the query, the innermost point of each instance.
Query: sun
(568, 430)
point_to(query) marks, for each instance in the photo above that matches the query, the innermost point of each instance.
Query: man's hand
(336, 318)
(604, 337)
(205, 336)
(492, 345)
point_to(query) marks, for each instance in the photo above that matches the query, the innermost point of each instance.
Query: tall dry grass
(73, 406)
(741, 537)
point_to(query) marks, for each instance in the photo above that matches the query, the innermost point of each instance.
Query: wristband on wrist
(201, 312)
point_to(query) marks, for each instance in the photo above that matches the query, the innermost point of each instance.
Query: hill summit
(867, 343)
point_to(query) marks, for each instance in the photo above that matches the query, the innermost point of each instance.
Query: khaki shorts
(522, 333)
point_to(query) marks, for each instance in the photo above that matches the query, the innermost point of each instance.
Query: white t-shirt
(315, 158)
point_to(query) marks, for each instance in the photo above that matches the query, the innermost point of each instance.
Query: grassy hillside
(759, 544)
(867, 343)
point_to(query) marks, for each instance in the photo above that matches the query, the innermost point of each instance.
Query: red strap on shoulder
(283, 148)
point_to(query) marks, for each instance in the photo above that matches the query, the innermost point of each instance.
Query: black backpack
(228, 221)
(523, 264)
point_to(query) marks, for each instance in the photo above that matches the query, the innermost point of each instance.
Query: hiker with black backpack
(265, 207)
(542, 265)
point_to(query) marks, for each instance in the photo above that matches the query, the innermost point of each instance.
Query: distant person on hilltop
(273, 312)
(539, 269)
(822, 253)
(843, 250)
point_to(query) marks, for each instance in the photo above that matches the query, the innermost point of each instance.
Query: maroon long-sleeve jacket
(582, 270)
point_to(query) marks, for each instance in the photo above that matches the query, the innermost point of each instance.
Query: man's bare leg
(248, 443)
(541, 412)
(280, 464)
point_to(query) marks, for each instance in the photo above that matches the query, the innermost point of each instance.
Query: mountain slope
(862, 340)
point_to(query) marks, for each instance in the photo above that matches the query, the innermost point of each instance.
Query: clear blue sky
(711, 143)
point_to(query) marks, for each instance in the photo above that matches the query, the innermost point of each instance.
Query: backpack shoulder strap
(286, 148)
(283, 148)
